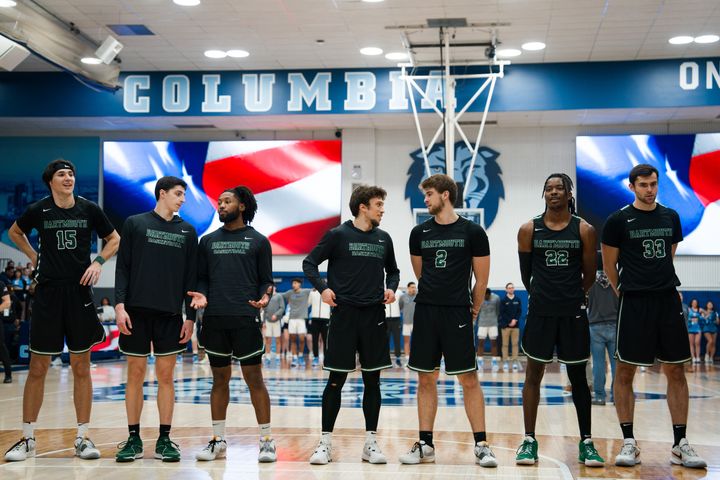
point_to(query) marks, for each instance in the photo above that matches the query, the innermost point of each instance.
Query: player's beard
(374, 223)
(230, 216)
(434, 209)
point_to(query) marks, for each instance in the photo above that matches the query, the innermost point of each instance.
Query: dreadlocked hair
(246, 197)
(567, 184)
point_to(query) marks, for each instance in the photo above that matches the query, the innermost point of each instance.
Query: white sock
(219, 429)
(265, 430)
(326, 438)
(28, 429)
(370, 436)
(83, 430)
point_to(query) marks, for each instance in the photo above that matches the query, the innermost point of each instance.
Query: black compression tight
(580, 396)
(332, 399)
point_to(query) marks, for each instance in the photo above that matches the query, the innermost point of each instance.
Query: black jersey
(645, 239)
(65, 237)
(156, 263)
(556, 286)
(358, 264)
(234, 266)
(447, 252)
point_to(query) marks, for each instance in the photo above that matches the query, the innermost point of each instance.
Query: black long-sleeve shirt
(234, 266)
(361, 265)
(156, 264)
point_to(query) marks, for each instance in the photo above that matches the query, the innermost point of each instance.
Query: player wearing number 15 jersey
(63, 308)
(638, 245)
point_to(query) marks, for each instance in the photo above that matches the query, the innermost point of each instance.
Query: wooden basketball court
(296, 394)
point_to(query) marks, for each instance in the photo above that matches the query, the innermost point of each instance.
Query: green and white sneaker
(527, 453)
(130, 449)
(167, 450)
(588, 455)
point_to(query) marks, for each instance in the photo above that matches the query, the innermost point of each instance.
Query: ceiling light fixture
(508, 52)
(371, 51)
(373, 1)
(215, 54)
(681, 40)
(7, 3)
(397, 56)
(237, 53)
(707, 39)
(533, 46)
(91, 61)
(187, 3)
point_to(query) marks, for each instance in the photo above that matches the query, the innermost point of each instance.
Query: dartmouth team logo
(486, 186)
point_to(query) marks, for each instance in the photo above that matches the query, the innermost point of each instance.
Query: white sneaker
(506, 367)
(494, 367)
(322, 454)
(419, 453)
(57, 362)
(708, 360)
(372, 453)
(267, 450)
(516, 366)
(484, 456)
(683, 454)
(22, 450)
(480, 363)
(85, 449)
(216, 448)
(629, 455)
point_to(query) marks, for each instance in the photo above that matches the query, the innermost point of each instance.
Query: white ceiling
(282, 34)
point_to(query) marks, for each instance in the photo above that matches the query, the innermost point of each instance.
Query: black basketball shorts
(442, 331)
(162, 329)
(566, 335)
(232, 336)
(652, 326)
(358, 330)
(64, 314)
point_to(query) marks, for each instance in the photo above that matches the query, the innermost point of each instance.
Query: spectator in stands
(319, 318)
(394, 327)
(510, 312)
(602, 316)
(407, 308)
(4, 354)
(487, 327)
(107, 311)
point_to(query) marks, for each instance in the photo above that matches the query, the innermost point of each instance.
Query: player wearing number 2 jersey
(557, 263)
(445, 251)
(638, 245)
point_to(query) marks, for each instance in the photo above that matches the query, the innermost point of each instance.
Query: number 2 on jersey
(66, 239)
(441, 259)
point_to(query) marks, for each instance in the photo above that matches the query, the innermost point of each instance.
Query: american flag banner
(296, 184)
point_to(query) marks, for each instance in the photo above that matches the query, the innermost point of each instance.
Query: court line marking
(564, 470)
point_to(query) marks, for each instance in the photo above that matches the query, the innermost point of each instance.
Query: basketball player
(63, 308)
(235, 280)
(638, 246)
(362, 276)
(444, 251)
(156, 266)
(557, 264)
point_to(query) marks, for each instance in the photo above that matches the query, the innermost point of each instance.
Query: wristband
(99, 260)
